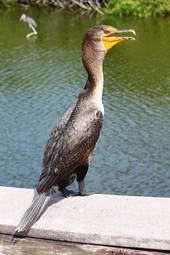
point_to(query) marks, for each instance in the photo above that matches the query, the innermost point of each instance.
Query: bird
(31, 23)
(72, 142)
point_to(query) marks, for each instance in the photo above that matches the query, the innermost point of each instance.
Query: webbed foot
(84, 194)
(68, 193)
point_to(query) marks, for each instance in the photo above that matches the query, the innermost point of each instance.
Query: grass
(138, 8)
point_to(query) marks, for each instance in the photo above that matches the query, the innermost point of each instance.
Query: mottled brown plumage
(70, 145)
(72, 141)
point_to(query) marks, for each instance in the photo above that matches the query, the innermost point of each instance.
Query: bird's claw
(84, 194)
(68, 193)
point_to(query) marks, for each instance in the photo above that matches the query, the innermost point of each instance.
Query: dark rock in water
(23, 1)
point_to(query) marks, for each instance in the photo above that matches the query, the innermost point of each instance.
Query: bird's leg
(81, 173)
(29, 35)
(34, 32)
(62, 188)
(82, 189)
(67, 193)
(66, 182)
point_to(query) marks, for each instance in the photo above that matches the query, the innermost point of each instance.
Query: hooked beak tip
(132, 31)
(127, 31)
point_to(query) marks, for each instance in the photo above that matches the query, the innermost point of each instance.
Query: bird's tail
(33, 213)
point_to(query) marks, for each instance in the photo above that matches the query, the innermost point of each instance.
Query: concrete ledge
(35, 246)
(135, 222)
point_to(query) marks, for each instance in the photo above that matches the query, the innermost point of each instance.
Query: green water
(40, 78)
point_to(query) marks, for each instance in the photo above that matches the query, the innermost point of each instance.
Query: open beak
(109, 40)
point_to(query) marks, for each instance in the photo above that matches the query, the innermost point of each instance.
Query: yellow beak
(109, 41)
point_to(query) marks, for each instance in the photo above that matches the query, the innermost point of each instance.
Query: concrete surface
(136, 222)
(33, 246)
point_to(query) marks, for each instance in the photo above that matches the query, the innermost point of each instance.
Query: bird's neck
(95, 76)
(95, 81)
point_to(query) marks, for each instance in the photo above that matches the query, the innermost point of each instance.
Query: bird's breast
(91, 102)
(97, 103)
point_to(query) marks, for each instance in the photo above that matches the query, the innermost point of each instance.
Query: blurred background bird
(31, 23)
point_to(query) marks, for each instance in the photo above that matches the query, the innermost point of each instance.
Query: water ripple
(39, 79)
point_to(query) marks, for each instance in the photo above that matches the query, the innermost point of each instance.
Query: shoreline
(107, 8)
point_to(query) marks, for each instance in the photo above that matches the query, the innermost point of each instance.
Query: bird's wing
(72, 149)
(56, 133)
(32, 22)
(54, 137)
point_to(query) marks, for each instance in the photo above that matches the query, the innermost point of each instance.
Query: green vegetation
(139, 8)
(6, 3)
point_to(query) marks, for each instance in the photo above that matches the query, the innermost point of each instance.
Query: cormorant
(70, 147)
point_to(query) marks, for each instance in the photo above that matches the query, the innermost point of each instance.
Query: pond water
(40, 78)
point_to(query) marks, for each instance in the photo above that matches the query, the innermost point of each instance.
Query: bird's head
(96, 43)
(23, 17)
(104, 37)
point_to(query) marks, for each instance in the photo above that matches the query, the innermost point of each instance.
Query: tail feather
(33, 213)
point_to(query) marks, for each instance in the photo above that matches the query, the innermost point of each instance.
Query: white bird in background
(31, 23)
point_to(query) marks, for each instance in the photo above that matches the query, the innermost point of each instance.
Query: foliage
(82, 5)
(6, 3)
(139, 8)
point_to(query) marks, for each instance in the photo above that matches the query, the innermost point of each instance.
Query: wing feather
(72, 147)
(56, 133)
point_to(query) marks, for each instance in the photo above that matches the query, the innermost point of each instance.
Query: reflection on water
(39, 79)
